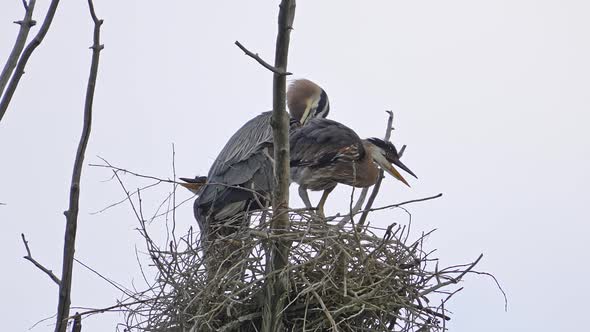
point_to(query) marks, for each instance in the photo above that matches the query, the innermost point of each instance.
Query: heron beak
(194, 185)
(399, 164)
(391, 170)
(307, 110)
(386, 164)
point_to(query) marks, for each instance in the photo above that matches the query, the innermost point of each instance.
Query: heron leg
(323, 201)
(305, 197)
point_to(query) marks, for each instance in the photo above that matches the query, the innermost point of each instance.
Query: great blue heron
(242, 176)
(325, 153)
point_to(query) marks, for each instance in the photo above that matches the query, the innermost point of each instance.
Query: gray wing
(322, 141)
(243, 162)
(248, 140)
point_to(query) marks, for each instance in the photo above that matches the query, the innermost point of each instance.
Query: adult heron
(241, 178)
(325, 152)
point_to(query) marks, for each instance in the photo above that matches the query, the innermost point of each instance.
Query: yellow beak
(307, 110)
(391, 170)
(195, 184)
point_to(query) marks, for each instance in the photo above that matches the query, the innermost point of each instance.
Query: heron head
(306, 100)
(385, 155)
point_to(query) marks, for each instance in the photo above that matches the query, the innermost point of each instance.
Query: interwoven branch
(341, 278)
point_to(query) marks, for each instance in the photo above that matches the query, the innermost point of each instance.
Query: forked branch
(25, 26)
(24, 57)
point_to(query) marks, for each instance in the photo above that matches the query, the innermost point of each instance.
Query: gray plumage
(319, 149)
(242, 177)
(325, 152)
(245, 162)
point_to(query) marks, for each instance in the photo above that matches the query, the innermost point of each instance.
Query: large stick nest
(340, 278)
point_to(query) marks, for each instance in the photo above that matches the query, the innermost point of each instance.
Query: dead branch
(333, 284)
(255, 56)
(377, 185)
(397, 205)
(30, 258)
(119, 287)
(25, 26)
(118, 169)
(452, 280)
(278, 283)
(364, 191)
(338, 277)
(77, 326)
(71, 214)
(24, 57)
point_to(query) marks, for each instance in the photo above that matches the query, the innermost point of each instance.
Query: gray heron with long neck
(325, 152)
(241, 178)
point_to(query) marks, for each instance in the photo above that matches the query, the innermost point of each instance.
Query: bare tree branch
(71, 214)
(22, 61)
(406, 202)
(452, 280)
(118, 169)
(377, 185)
(25, 26)
(265, 64)
(277, 287)
(77, 327)
(30, 258)
(359, 203)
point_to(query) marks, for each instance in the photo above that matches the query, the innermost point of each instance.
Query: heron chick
(325, 152)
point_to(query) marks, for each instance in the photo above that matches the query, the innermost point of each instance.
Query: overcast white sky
(491, 97)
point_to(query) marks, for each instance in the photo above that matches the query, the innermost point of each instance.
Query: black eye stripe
(322, 102)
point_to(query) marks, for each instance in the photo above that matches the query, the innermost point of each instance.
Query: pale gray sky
(491, 97)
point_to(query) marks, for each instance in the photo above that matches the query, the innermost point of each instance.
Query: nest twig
(342, 276)
(340, 279)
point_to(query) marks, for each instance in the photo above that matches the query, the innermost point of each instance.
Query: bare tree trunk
(63, 307)
(278, 283)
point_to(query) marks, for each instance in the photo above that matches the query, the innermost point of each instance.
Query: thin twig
(265, 64)
(106, 309)
(108, 165)
(377, 185)
(71, 214)
(497, 285)
(112, 283)
(30, 258)
(391, 206)
(452, 280)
